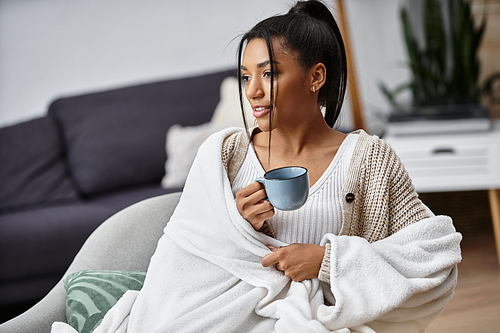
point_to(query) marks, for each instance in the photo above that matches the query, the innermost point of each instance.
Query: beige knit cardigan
(379, 197)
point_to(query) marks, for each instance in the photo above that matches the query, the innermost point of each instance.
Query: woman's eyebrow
(263, 64)
(260, 65)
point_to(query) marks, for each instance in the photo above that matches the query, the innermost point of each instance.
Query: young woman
(362, 255)
(292, 65)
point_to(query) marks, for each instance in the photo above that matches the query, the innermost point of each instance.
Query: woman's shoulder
(234, 141)
(372, 143)
(372, 152)
(234, 149)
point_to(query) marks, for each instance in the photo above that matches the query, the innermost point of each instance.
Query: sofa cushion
(228, 111)
(44, 240)
(182, 145)
(116, 138)
(32, 169)
(92, 293)
(183, 142)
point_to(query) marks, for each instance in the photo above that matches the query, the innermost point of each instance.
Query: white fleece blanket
(206, 274)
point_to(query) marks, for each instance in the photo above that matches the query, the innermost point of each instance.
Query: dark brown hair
(308, 30)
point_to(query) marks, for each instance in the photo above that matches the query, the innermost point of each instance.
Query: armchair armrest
(126, 241)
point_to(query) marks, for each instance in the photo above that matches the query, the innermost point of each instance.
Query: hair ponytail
(332, 94)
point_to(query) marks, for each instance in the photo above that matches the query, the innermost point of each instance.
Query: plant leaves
(445, 70)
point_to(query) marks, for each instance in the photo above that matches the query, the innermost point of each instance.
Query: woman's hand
(251, 205)
(298, 261)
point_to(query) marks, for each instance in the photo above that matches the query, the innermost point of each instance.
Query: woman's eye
(245, 78)
(268, 74)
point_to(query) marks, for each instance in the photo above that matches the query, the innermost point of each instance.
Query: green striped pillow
(92, 293)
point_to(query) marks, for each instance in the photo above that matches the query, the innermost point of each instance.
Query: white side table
(455, 162)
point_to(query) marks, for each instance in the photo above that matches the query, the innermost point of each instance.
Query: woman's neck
(294, 139)
(311, 145)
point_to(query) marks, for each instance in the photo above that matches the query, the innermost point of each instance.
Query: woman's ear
(318, 76)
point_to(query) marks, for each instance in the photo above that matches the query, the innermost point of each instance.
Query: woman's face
(292, 86)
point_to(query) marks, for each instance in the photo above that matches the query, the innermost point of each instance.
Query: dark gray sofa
(62, 175)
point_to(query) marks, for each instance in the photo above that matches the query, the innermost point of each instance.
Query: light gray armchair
(126, 241)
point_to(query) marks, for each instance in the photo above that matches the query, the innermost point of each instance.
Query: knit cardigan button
(349, 197)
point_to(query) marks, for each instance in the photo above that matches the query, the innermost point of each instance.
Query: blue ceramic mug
(286, 188)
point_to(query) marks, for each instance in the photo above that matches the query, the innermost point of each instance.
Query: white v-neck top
(322, 213)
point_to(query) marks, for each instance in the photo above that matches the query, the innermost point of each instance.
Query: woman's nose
(253, 89)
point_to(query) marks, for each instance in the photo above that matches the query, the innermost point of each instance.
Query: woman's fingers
(250, 195)
(250, 190)
(252, 206)
(258, 214)
(298, 261)
(272, 248)
(270, 259)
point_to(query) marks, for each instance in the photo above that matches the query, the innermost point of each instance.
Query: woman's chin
(263, 125)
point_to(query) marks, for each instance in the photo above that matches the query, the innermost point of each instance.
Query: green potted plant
(445, 71)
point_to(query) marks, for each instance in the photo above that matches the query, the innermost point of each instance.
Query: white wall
(53, 48)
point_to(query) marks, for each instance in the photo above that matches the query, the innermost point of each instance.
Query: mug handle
(262, 180)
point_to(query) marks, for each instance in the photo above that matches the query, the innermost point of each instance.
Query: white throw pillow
(228, 111)
(182, 145)
(183, 142)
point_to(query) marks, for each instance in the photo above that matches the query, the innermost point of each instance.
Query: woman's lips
(259, 111)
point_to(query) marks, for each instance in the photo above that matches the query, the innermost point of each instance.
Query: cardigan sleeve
(324, 271)
(405, 207)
